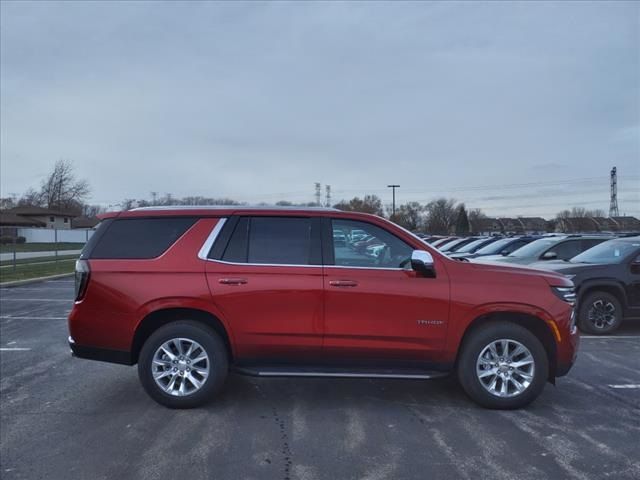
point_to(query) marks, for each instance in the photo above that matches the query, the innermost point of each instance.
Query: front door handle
(343, 283)
(233, 281)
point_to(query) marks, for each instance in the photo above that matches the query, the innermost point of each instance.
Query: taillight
(82, 278)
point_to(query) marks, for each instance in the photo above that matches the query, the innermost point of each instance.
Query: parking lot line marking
(22, 289)
(14, 349)
(630, 385)
(9, 317)
(608, 336)
(35, 300)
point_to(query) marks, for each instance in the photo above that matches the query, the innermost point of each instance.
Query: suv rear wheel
(503, 365)
(600, 313)
(183, 364)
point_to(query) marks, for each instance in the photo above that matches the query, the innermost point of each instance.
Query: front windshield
(613, 251)
(470, 246)
(533, 249)
(494, 247)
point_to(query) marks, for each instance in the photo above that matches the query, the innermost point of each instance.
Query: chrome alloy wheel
(602, 313)
(505, 368)
(180, 367)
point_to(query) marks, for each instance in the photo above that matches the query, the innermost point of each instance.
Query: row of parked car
(604, 268)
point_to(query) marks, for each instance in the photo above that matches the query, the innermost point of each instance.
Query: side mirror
(550, 256)
(422, 262)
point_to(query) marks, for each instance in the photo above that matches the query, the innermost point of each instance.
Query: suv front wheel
(183, 364)
(502, 365)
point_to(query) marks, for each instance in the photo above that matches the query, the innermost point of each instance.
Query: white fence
(46, 235)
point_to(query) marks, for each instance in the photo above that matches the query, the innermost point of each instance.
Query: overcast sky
(517, 108)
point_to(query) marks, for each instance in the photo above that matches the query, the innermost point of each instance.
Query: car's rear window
(140, 237)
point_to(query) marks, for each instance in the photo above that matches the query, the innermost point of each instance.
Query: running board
(288, 371)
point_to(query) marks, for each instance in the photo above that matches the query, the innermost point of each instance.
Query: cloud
(252, 99)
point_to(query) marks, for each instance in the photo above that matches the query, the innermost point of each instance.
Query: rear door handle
(233, 281)
(343, 283)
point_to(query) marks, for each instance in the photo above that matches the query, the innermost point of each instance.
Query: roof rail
(230, 207)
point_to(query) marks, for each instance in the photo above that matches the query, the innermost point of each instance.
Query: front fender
(607, 284)
(463, 320)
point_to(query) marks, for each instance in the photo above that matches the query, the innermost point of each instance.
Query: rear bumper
(100, 354)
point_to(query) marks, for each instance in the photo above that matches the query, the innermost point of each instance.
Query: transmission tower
(317, 194)
(327, 189)
(613, 205)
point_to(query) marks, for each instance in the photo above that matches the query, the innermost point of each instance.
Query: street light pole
(393, 187)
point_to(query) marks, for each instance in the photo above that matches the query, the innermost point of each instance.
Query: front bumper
(569, 349)
(99, 354)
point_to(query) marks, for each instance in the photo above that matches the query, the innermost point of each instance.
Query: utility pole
(613, 204)
(327, 195)
(393, 187)
(317, 193)
(154, 196)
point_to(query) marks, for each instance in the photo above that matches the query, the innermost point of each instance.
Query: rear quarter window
(139, 238)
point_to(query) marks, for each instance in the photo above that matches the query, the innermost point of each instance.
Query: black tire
(210, 342)
(473, 346)
(592, 308)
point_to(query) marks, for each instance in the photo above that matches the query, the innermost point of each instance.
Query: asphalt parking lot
(65, 418)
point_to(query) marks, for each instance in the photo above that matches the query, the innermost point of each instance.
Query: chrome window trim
(296, 265)
(262, 264)
(208, 243)
(369, 268)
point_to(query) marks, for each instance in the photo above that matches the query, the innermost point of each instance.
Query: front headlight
(567, 294)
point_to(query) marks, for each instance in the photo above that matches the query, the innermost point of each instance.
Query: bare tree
(369, 204)
(61, 190)
(92, 210)
(580, 212)
(409, 215)
(476, 216)
(441, 216)
(30, 198)
(8, 202)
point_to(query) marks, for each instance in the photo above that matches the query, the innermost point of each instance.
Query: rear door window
(140, 238)
(273, 241)
(279, 240)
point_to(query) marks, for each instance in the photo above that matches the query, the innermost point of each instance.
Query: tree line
(62, 190)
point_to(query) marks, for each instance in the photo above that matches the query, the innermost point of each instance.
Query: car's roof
(635, 238)
(578, 237)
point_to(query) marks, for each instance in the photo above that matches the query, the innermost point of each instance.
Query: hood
(568, 268)
(552, 278)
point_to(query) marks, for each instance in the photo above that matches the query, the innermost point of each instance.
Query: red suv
(191, 293)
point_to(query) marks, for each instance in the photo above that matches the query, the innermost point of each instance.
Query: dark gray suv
(548, 248)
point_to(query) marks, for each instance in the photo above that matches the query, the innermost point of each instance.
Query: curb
(28, 281)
